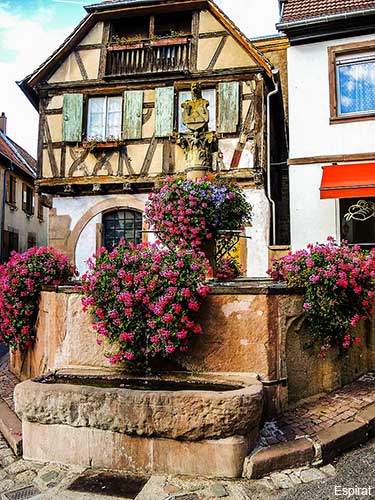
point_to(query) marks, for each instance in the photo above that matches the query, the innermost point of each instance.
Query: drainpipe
(272, 203)
(3, 206)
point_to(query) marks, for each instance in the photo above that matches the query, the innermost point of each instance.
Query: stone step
(320, 448)
(11, 428)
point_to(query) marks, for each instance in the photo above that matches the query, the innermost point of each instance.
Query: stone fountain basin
(209, 406)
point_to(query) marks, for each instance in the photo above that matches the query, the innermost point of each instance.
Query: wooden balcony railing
(155, 56)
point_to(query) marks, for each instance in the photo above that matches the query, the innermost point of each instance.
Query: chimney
(3, 123)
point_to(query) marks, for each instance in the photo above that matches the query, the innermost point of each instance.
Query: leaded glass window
(355, 83)
(120, 224)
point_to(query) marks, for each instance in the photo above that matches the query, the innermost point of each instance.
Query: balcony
(170, 55)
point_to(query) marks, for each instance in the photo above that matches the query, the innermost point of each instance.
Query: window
(31, 240)
(210, 95)
(352, 81)
(11, 189)
(119, 224)
(28, 201)
(40, 210)
(10, 243)
(357, 221)
(104, 118)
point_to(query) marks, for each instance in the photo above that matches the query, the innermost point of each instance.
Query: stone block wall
(249, 327)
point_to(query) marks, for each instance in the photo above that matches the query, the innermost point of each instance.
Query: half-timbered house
(109, 100)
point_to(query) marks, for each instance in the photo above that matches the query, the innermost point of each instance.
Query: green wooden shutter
(164, 111)
(229, 107)
(133, 108)
(72, 117)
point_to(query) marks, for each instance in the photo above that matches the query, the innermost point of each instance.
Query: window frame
(11, 187)
(350, 49)
(106, 97)
(135, 213)
(28, 199)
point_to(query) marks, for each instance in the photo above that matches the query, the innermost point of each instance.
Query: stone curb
(11, 428)
(315, 450)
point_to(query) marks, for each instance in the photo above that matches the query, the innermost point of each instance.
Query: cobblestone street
(25, 479)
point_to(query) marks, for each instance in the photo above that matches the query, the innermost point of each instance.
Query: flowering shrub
(142, 299)
(185, 213)
(227, 268)
(338, 289)
(21, 280)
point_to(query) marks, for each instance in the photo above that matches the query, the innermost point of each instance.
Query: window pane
(357, 220)
(114, 117)
(356, 87)
(96, 118)
(121, 224)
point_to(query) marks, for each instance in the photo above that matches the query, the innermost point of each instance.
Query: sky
(30, 30)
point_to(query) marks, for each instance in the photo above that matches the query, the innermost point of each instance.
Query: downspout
(3, 206)
(269, 196)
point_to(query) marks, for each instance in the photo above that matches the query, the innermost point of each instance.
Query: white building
(331, 75)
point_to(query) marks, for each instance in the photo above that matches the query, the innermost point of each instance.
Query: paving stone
(281, 481)
(5, 461)
(3, 474)
(295, 479)
(25, 478)
(5, 452)
(17, 467)
(6, 485)
(328, 470)
(310, 475)
(266, 482)
(219, 491)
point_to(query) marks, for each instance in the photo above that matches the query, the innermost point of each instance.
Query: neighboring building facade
(110, 99)
(331, 71)
(23, 217)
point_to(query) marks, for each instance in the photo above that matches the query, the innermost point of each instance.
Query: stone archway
(126, 201)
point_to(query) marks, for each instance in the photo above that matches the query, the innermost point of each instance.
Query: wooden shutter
(229, 107)
(13, 193)
(133, 108)
(164, 111)
(72, 117)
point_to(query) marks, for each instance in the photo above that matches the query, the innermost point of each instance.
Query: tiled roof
(128, 3)
(298, 10)
(17, 155)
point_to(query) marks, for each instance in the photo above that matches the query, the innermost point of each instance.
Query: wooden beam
(218, 51)
(310, 160)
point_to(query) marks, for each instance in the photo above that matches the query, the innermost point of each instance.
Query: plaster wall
(258, 234)
(310, 131)
(16, 220)
(312, 219)
(68, 213)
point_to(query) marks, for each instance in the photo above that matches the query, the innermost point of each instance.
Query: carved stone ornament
(200, 144)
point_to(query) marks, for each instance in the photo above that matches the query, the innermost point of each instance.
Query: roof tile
(298, 10)
(17, 155)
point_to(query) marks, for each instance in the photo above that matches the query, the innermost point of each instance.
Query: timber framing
(34, 82)
(110, 184)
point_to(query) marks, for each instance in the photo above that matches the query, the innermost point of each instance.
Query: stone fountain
(174, 423)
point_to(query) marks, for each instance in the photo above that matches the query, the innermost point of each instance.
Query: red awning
(348, 181)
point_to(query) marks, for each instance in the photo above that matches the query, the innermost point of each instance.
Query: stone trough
(177, 423)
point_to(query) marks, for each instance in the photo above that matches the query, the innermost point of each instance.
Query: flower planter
(102, 145)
